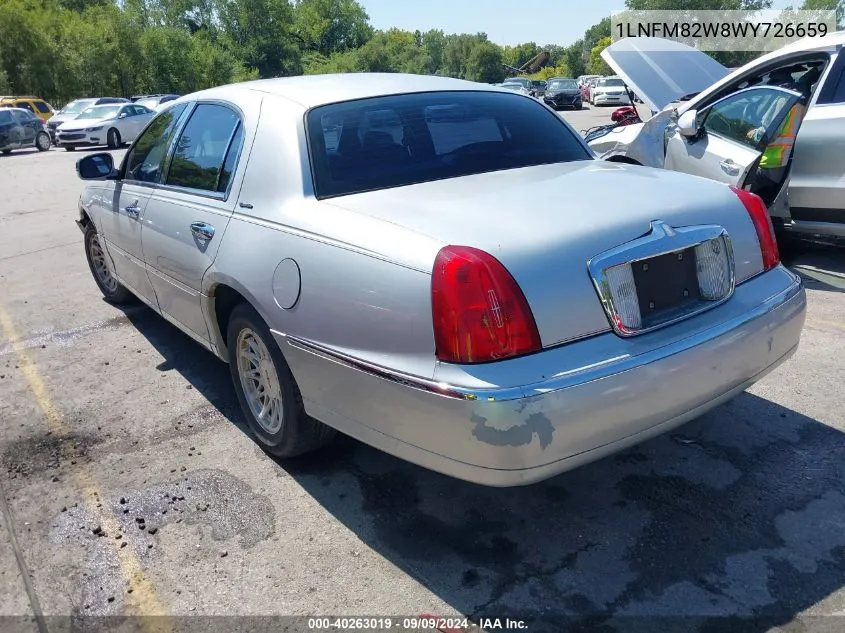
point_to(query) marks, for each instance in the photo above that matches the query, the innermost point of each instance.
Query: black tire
(113, 138)
(70, 148)
(579, 106)
(112, 289)
(42, 141)
(298, 433)
(6, 152)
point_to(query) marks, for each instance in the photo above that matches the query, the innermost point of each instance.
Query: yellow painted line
(141, 597)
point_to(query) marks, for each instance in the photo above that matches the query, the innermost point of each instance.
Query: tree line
(64, 49)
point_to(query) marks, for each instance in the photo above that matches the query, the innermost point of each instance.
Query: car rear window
(400, 140)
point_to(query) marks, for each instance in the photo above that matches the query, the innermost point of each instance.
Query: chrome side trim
(661, 240)
(589, 373)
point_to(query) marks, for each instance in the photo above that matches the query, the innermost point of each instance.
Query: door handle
(133, 210)
(729, 166)
(202, 230)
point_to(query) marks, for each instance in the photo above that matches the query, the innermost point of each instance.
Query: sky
(505, 21)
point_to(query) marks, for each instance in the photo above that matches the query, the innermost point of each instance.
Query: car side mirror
(687, 125)
(96, 167)
(122, 115)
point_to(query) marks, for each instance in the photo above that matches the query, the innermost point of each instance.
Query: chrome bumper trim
(595, 371)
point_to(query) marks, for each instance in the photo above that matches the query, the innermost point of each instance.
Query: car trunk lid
(661, 71)
(545, 223)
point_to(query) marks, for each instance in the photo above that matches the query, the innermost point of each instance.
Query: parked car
(112, 125)
(539, 87)
(583, 79)
(587, 86)
(387, 289)
(154, 102)
(19, 129)
(38, 107)
(691, 136)
(609, 91)
(563, 93)
(516, 87)
(524, 82)
(74, 109)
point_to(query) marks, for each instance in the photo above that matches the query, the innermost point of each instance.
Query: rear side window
(201, 151)
(42, 107)
(401, 140)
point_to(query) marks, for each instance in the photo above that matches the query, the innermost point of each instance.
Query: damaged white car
(711, 122)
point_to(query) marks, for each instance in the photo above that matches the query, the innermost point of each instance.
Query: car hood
(80, 124)
(661, 71)
(58, 119)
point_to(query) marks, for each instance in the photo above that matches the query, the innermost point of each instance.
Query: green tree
(485, 63)
(261, 32)
(827, 5)
(331, 26)
(597, 65)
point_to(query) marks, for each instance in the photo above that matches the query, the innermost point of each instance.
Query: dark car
(562, 92)
(20, 128)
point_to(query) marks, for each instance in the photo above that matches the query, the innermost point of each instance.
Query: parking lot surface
(131, 486)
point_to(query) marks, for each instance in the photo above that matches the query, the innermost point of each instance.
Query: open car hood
(661, 71)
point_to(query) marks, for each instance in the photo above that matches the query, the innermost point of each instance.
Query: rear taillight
(479, 311)
(759, 215)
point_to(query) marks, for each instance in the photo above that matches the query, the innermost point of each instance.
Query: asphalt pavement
(130, 485)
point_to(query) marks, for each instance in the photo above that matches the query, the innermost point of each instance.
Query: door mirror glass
(123, 115)
(687, 124)
(95, 166)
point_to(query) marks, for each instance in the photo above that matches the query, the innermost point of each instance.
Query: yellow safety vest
(777, 153)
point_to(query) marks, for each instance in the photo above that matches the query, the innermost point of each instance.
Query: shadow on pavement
(733, 522)
(822, 267)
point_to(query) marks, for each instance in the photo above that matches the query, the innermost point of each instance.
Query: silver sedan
(359, 250)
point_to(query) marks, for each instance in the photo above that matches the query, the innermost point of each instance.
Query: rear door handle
(729, 166)
(133, 210)
(202, 230)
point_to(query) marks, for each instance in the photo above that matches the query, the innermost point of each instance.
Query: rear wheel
(70, 148)
(6, 152)
(113, 139)
(112, 289)
(42, 141)
(267, 391)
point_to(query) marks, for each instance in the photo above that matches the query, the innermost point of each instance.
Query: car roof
(315, 90)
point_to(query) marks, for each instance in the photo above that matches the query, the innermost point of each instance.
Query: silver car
(111, 125)
(359, 250)
(708, 134)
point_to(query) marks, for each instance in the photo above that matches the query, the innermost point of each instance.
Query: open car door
(725, 141)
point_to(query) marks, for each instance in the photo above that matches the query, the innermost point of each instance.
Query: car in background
(586, 86)
(111, 124)
(154, 102)
(524, 82)
(75, 108)
(20, 128)
(515, 86)
(609, 91)
(704, 116)
(38, 107)
(393, 283)
(562, 92)
(539, 87)
(582, 79)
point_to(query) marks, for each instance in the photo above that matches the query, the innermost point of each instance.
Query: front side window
(747, 117)
(145, 159)
(431, 136)
(198, 161)
(21, 117)
(5, 116)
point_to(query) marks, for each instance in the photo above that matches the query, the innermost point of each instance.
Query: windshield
(563, 84)
(100, 112)
(75, 107)
(512, 86)
(148, 103)
(400, 140)
(613, 82)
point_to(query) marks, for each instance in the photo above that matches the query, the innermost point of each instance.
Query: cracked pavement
(140, 476)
